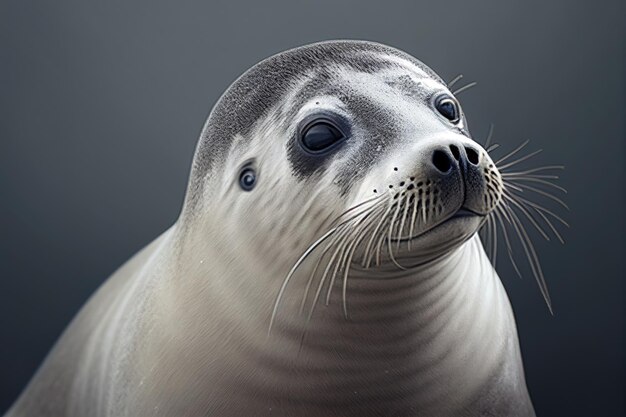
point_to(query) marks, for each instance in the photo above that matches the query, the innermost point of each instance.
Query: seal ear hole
(247, 178)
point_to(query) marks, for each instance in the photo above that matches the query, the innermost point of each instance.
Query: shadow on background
(101, 105)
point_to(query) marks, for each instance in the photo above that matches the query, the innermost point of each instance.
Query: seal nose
(472, 155)
(444, 161)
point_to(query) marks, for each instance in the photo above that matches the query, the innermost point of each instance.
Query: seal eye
(247, 179)
(449, 108)
(319, 136)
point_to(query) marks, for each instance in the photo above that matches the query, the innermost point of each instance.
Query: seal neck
(442, 331)
(434, 337)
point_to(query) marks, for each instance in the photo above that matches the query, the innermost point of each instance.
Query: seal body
(343, 278)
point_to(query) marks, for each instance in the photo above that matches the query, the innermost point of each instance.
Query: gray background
(101, 105)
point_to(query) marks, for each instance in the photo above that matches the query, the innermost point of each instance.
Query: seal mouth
(461, 213)
(464, 212)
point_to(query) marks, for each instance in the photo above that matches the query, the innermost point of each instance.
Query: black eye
(448, 107)
(319, 136)
(247, 179)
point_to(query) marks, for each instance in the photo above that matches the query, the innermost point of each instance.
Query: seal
(326, 262)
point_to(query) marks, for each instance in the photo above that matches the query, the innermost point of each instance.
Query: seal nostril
(455, 152)
(442, 162)
(472, 155)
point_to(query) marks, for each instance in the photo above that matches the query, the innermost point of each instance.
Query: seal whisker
(347, 264)
(520, 159)
(544, 193)
(379, 249)
(293, 270)
(390, 234)
(361, 204)
(338, 265)
(490, 238)
(464, 88)
(533, 260)
(489, 137)
(485, 236)
(541, 208)
(541, 176)
(528, 216)
(404, 216)
(495, 240)
(537, 180)
(322, 281)
(492, 147)
(412, 225)
(359, 229)
(330, 244)
(320, 286)
(508, 184)
(327, 248)
(455, 80)
(513, 152)
(549, 223)
(376, 252)
(380, 223)
(499, 214)
(344, 287)
(530, 171)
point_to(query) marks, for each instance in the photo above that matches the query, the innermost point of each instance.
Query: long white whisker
(528, 216)
(537, 180)
(464, 88)
(521, 159)
(513, 152)
(331, 244)
(405, 203)
(413, 220)
(293, 270)
(492, 148)
(500, 214)
(544, 193)
(358, 229)
(541, 208)
(454, 80)
(353, 208)
(530, 171)
(489, 136)
(382, 220)
(533, 260)
(389, 237)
